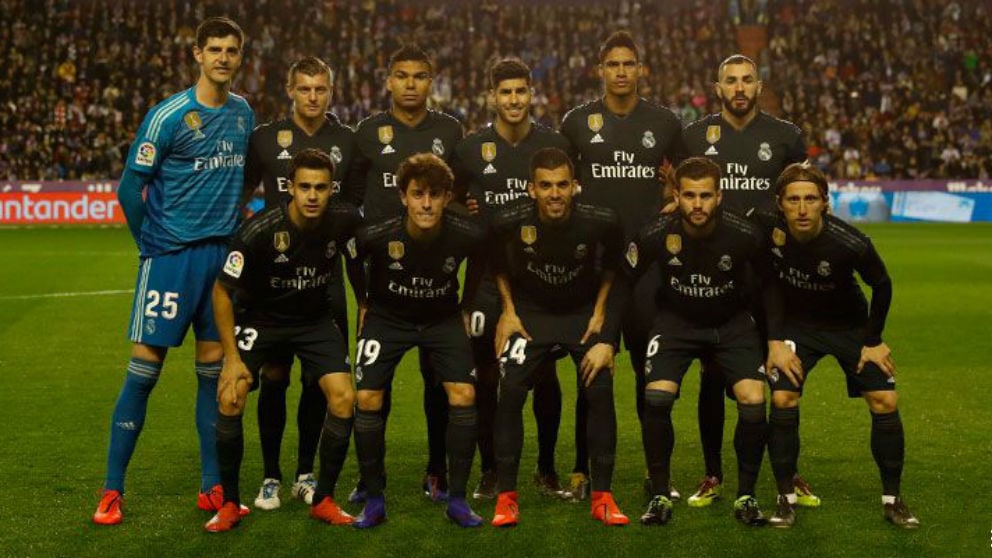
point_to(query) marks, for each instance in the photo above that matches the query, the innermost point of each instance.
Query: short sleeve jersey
(494, 171)
(273, 146)
(555, 267)
(383, 143)
(417, 281)
(751, 158)
(619, 157)
(817, 277)
(702, 279)
(280, 272)
(193, 158)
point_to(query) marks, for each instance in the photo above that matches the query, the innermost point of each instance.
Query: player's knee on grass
(339, 394)
(749, 392)
(784, 399)
(370, 400)
(151, 353)
(881, 402)
(460, 394)
(209, 351)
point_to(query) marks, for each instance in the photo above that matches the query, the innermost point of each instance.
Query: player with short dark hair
(492, 166)
(189, 157)
(412, 301)
(815, 256)
(384, 141)
(751, 147)
(271, 304)
(704, 254)
(309, 85)
(621, 143)
(555, 261)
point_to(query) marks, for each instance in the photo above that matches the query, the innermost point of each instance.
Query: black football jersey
(817, 277)
(273, 145)
(495, 172)
(556, 267)
(619, 157)
(280, 273)
(751, 159)
(702, 279)
(417, 281)
(383, 143)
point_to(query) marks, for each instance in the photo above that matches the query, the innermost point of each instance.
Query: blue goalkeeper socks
(207, 374)
(129, 418)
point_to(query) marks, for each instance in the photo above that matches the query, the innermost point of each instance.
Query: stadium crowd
(888, 89)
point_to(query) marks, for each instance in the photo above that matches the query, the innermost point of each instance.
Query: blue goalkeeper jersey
(193, 159)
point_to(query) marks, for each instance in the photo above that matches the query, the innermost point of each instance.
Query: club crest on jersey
(647, 140)
(145, 155)
(396, 249)
(241, 124)
(673, 243)
(438, 147)
(778, 237)
(450, 264)
(528, 233)
(713, 133)
(580, 251)
(385, 134)
(352, 247)
(335, 155)
(631, 254)
(284, 138)
(280, 241)
(235, 264)
(725, 263)
(489, 151)
(765, 151)
(595, 122)
(332, 249)
(824, 268)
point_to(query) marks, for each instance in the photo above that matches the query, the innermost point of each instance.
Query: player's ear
(717, 91)
(531, 189)
(761, 85)
(491, 98)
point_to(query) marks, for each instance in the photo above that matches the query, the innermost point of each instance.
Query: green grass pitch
(62, 360)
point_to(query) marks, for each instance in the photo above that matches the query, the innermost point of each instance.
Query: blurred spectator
(901, 83)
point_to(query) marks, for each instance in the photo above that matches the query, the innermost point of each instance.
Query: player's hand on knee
(509, 324)
(597, 359)
(232, 376)
(881, 356)
(782, 358)
(595, 326)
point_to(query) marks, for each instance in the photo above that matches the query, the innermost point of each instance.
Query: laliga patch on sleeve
(146, 155)
(235, 264)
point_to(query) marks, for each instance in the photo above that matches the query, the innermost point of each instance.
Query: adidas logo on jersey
(284, 155)
(490, 169)
(674, 261)
(281, 258)
(711, 151)
(387, 150)
(396, 265)
(596, 139)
